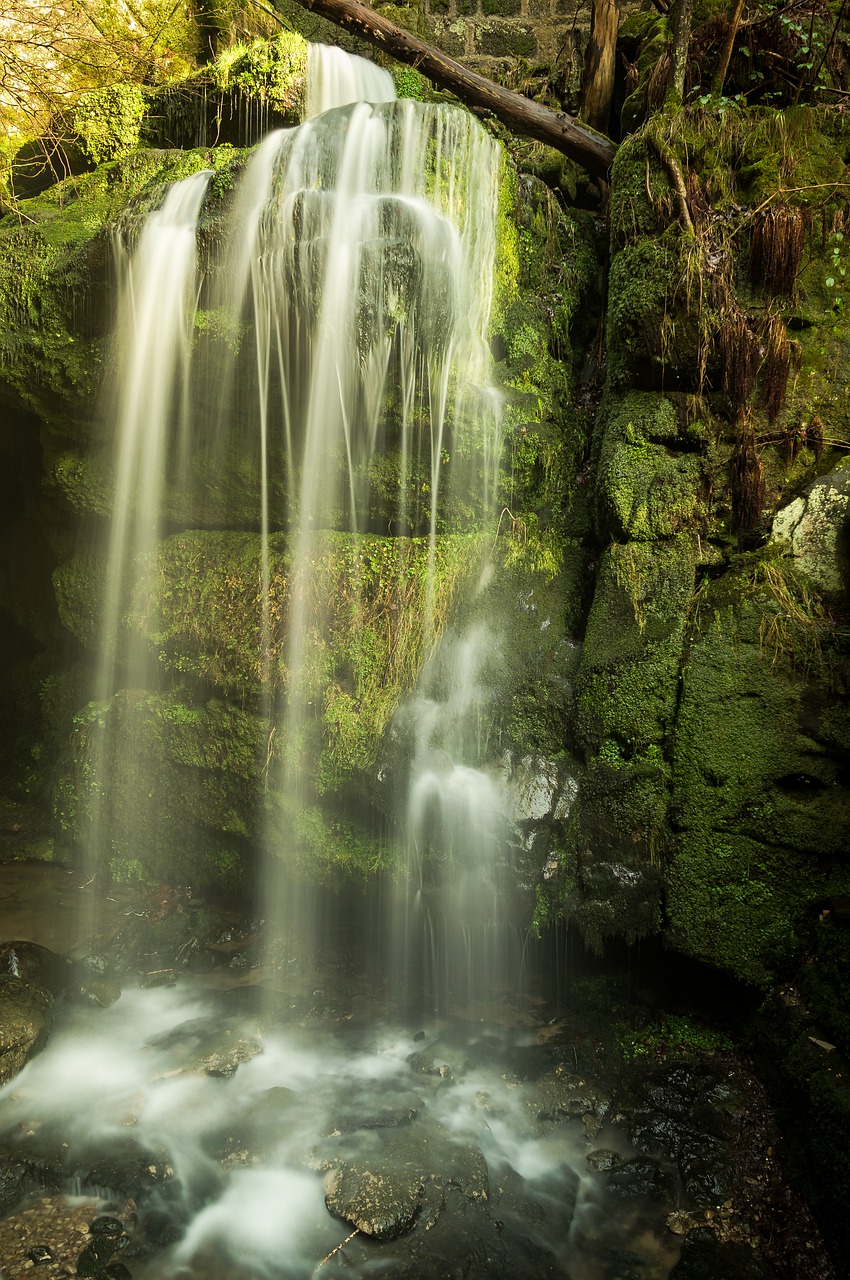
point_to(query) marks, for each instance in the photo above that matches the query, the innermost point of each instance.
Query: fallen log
(593, 151)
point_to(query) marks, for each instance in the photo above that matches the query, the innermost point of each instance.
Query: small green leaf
(830, 282)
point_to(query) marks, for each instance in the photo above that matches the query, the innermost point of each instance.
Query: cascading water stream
(152, 358)
(359, 254)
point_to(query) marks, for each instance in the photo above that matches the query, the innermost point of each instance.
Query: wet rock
(40, 1253)
(641, 1178)
(602, 1160)
(22, 1178)
(379, 1184)
(561, 1095)
(91, 982)
(691, 1118)
(442, 1059)
(259, 1128)
(33, 963)
(536, 785)
(107, 1226)
(363, 1110)
(208, 1044)
(704, 1257)
(26, 1015)
(381, 1199)
(532, 1215)
(100, 1250)
(464, 1241)
(126, 1168)
(706, 1169)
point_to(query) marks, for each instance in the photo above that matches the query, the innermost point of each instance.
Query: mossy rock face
(611, 884)
(546, 273)
(759, 800)
(159, 781)
(183, 782)
(54, 269)
(645, 487)
(628, 676)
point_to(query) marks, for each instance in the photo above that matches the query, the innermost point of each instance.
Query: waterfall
(353, 282)
(336, 79)
(151, 408)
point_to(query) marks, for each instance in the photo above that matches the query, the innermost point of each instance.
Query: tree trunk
(680, 14)
(728, 46)
(589, 149)
(601, 63)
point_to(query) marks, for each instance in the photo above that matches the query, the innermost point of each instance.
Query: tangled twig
(355, 1232)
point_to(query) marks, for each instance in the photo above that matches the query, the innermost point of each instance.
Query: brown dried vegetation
(776, 366)
(776, 248)
(739, 355)
(748, 489)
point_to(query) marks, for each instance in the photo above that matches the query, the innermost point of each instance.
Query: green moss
(751, 753)
(497, 39)
(107, 121)
(670, 1035)
(739, 904)
(628, 677)
(320, 846)
(271, 70)
(758, 795)
(644, 489)
(659, 323)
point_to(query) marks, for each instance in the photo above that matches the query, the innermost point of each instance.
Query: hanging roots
(747, 476)
(659, 79)
(814, 437)
(776, 366)
(799, 437)
(794, 439)
(776, 248)
(739, 356)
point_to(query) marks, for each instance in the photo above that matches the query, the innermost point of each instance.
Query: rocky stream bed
(196, 1113)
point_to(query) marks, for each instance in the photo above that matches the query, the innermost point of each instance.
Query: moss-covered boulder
(759, 801)
(26, 1014)
(628, 677)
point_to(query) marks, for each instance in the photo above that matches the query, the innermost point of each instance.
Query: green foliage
(107, 121)
(410, 83)
(271, 70)
(670, 1035)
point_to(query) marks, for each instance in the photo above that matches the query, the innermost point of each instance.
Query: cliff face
(689, 535)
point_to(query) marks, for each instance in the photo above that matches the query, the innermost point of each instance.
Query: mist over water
(233, 1165)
